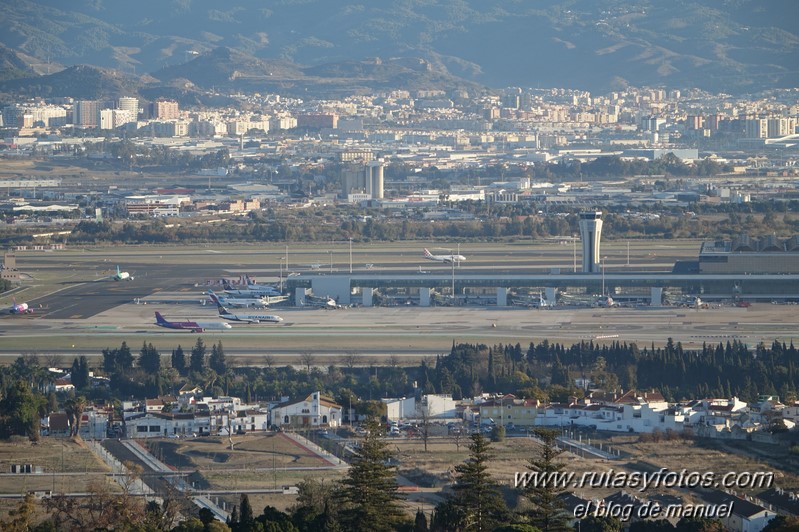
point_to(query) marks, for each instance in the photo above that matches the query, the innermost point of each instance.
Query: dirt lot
(67, 467)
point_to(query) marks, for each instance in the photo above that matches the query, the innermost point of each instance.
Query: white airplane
(606, 302)
(194, 326)
(121, 276)
(249, 291)
(239, 302)
(444, 258)
(249, 318)
(326, 303)
(19, 308)
(268, 290)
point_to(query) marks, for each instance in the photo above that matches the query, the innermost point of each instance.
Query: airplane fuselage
(194, 326)
(251, 318)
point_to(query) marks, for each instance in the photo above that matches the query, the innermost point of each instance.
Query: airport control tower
(591, 233)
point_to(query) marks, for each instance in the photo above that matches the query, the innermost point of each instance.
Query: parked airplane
(194, 326)
(444, 258)
(268, 290)
(19, 308)
(259, 291)
(121, 276)
(249, 318)
(606, 302)
(327, 303)
(246, 302)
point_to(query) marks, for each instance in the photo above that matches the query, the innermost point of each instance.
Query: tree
(246, 518)
(19, 412)
(179, 360)
(368, 496)
(79, 374)
(21, 517)
(74, 409)
(477, 499)
(548, 512)
(420, 522)
(217, 360)
(307, 360)
(197, 358)
(149, 359)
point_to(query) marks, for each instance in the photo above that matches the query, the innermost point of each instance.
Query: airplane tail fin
(213, 297)
(118, 272)
(427, 253)
(159, 318)
(221, 310)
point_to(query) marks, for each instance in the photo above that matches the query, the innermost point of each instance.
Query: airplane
(326, 303)
(194, 326)
(121, 276)
(19, 308)
(606, 302)
(226, 301)
(268, 290)
(252, 291)
(249, 318)
(443, 258)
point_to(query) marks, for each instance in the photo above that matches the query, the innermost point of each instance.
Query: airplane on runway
(246, 302)
(457, 259)
(249, 318)
(121, 276)
(19, 308)
(194, 326)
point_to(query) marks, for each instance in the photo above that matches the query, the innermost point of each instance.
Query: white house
(313, 411)
(401, 408)
(439, 405)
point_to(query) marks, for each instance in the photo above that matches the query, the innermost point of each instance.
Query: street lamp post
(281, 274)
(603, 276)
(330, 252)
(350, 255)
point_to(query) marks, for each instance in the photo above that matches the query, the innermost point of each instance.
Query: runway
(83, 311)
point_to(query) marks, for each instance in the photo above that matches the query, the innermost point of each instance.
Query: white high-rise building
(126, 103)
(591, 233)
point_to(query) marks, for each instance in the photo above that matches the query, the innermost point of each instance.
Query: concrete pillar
(551, 295)
(299, 297)
(424, 297)
(367, 293)
(655, 296)
(502, 296)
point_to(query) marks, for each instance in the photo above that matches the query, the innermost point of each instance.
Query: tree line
(545, 370)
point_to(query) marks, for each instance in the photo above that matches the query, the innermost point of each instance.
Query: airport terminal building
(741, 270)
(748, 255)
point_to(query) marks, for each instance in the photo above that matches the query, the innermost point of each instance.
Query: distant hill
(719, 45)
(81, 81)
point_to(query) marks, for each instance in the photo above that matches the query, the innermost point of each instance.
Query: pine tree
(547, 512)
(197, 359)
(476, 496)
(368, 497)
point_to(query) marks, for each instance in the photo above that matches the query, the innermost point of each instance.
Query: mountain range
(333, 48)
